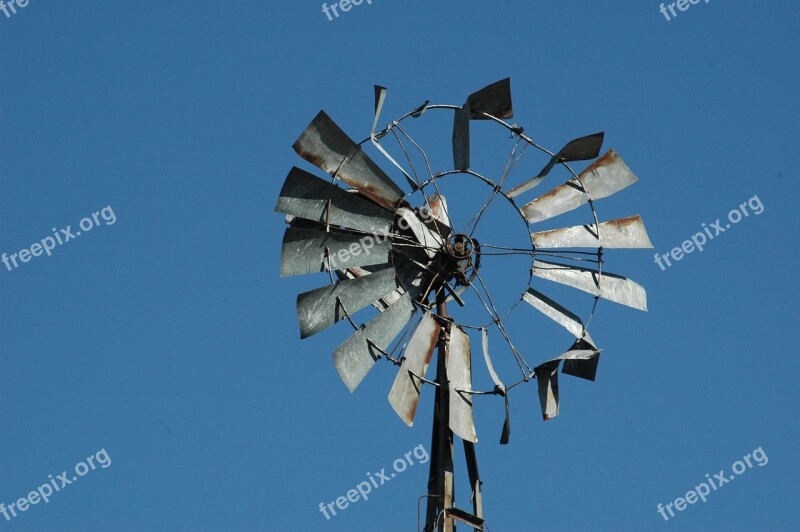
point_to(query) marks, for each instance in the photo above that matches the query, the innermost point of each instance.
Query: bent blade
(580, 149)
(580, 364)
(608, 286)
(303, 251)
(325, 145)
(306, 196)
(319, 309)
(488, 359)
(355, 357)
(461, 138)
(555, 312)
(405, 392)
(621, 233)
(606, 176)
(494, 100)
(547, 378)
(459, 372)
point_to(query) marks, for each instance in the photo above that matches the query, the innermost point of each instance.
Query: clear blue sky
(168, 338)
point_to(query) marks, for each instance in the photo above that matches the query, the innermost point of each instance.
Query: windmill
(411, 262)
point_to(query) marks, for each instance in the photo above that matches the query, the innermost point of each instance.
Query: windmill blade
(356, 356)
(621, 233)
(405, 392)
(556, 312)
(438, 209)
(506, 433)
(319, 309)
(307, 196)
(326, 146)
(459, 373)
(488, 359)
(612, 287)
(380, 98)
(303, 251)
(430, 241)
(494, 100)
(547, 378)
(606, 176)
(582, 360)
(581, 149)
(461, 138)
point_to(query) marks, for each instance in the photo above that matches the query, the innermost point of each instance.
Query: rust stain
(624, 222)
(609, 158)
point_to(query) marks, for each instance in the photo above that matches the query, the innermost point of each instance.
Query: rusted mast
(440, 479)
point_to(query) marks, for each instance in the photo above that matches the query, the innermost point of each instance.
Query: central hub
(460, 247)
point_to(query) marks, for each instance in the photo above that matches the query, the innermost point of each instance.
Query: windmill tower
(413, 262)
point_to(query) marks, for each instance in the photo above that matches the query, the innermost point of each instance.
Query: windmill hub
(460, 247)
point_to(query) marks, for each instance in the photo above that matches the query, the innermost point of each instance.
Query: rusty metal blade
(611, 287)
(326, 146)
(555, 312)
(606, 176)
(307, 196)
(547, 377)
(438, 209)
(582, 365)
(461, 138)
(303, 251)
(356, 356)
(621, 233)
(459, 373)
(405, 392)
(580, 149)
(494, 100)
(319, 309)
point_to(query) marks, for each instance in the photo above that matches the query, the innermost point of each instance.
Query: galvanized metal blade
(606, 176)
(621, 233)
(547, 378)
(438, 210)
(405, 392)
(582, 360)
(499, 386)
(488, 359)
(494, 100)
(357, 355)
(307, 196)
(461, 157)
(319, 309)
(608, 286)
(304, 251)
(459, 373)
(555, 312)
(581, 149)
(429, 240)
(326, 146)
(380, 98)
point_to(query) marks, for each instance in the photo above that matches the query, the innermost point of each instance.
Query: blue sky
(168, 338)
